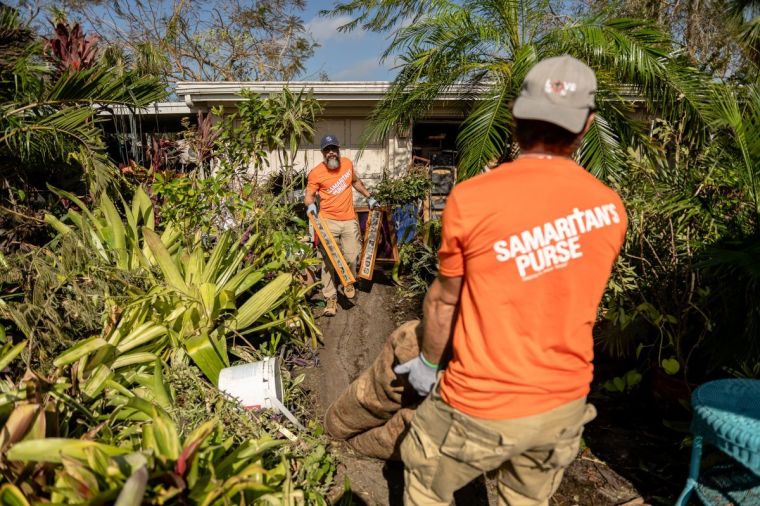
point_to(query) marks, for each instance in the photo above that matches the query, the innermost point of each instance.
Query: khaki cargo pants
(446, 449)
(346, 234)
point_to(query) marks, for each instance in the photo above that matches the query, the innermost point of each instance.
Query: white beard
(333, 163)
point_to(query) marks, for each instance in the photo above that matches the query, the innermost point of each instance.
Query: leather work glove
(422, 374)
(312, 208)
(372, 203)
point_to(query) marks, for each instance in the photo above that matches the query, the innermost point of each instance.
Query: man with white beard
(332, 180)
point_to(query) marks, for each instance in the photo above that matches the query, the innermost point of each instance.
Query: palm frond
(380, 15)
(45, 134)
(485, 133)
(99, 85)
(600, 152)
(739, 116)
(643, 62)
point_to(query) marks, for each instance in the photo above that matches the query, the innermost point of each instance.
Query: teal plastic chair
(727, 416)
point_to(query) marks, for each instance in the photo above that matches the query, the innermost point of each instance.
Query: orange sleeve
(312, 184)
(451, 253)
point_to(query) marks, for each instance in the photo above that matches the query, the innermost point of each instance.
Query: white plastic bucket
(255, 384)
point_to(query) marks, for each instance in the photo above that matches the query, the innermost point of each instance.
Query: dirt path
(352, 339)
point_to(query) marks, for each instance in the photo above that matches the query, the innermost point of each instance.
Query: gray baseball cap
(558, 90)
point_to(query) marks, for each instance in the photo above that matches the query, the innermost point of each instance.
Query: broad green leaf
(210, 300)
(97, 460)
(142, 335)
(243, 280)
(212, 268)
(165, 261)
(10, 352)
(194, 266)
(140, 357)
(51, 449)
(165, 436)
(226, 300)
(75, 217)
(11, 495)
(79, 350)
(159, 388)
(205, 355)
(148, 408)
(170, 237)
(142, 208)
(97, 381)
(118, 234)
(252, 450)
(177, 312)
(262, 301)
(632, 378)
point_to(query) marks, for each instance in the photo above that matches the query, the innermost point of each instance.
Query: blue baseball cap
(329, 140)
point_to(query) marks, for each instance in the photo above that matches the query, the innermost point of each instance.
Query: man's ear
(589, 120)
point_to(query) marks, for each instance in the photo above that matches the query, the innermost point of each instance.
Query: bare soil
(351, 341)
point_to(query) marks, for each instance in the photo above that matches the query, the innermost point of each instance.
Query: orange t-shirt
(336, 199)
(535, 241)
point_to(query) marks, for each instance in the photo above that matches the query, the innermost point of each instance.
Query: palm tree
(482, 49)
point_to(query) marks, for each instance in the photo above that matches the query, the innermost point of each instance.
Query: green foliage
(409, 188)
(624, 383)
(278, 123)
(51, 117)
(202, 203)
(230, 195)
(418, 260)
(693, 229)
(205, 467)
(115, 421)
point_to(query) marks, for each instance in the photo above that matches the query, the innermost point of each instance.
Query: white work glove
(422, 374)
(312, 208)
(372, 203)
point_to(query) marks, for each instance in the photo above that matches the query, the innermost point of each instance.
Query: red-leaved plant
(70, 49)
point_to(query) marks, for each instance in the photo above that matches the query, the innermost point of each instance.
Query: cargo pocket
(474, 445)
(420, 456)
(569, 441)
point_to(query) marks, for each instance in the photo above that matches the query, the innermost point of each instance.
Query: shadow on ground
(474, 494)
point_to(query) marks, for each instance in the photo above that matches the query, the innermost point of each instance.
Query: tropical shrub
(54, 96)
(674, 296)
(103, 399)
(140, 456)
(412, 187)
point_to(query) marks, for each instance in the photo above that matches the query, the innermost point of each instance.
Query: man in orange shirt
(526, 253)
(332, 180)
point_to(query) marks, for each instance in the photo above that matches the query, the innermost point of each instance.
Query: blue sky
(353, 56)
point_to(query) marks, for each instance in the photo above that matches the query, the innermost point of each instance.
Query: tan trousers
(346, 234)
(446, 449)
